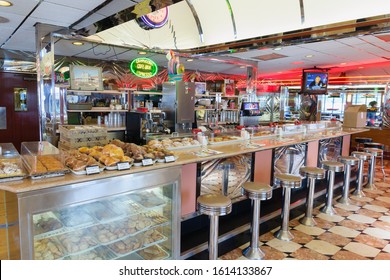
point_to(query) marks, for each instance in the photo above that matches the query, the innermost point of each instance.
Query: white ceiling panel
(85, 5)
(89, 21)
(116, 6)
(19, 42)
(20, 7)
(55, 13)
(13, 20)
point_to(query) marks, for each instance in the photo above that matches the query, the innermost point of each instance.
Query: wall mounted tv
(314, 82)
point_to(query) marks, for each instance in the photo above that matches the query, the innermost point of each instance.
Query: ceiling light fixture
(343, 63)
(189, 59)
(141, 52)
(77, 43)
(5, 3)
(278, 48)
(309, 55)
(242, 66)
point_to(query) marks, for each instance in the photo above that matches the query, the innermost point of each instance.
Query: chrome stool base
(307, 221)
(345, 201)
(253, 253)
(328, 209)
(370, 186)
(284, 235)
(358, 193)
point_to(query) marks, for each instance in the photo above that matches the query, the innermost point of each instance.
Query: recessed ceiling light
(141, 52)
(280, 72)
(278, 48)
(361, 67)
(309, 55)
(78, 43)
(189, 59)
(5, 3)
(242, 66)
(343, 63)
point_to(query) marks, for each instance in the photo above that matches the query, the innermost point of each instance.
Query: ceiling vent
(270, 56)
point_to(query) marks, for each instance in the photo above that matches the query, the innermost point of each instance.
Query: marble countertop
(185, 156)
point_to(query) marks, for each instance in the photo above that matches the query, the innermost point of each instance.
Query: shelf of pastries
(11, 167)
(41, 160)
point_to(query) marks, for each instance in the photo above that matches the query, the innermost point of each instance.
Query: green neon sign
(143, 67)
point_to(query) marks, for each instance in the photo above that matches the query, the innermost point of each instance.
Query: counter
(23, 199)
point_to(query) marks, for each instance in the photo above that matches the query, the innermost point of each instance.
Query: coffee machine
(140, 125)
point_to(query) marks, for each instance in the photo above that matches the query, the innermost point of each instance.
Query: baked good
(126, 246)
(76, 241)
(46, 223)
(48, 249)
(153, 253)
(112, 150)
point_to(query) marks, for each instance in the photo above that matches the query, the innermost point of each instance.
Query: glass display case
(133, 216)
(11, 167)
(42, 159)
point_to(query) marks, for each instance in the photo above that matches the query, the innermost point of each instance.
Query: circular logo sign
(143, 67)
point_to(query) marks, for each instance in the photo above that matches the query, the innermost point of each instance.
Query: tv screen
(250, 105)
(315, 82)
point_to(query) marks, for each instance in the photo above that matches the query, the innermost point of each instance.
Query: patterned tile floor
(357, 232)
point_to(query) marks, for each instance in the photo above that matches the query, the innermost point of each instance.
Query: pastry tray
(52, 240)
(146, 256)
(74, 217)
(97, 253)
(147, 200)
(44, 218)
(183, 147)
(84, 172)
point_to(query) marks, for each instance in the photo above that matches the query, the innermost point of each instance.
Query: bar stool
(312, 173)
(374, 152)
(291, 152)
(214, 205)
(287, 182)
(362, 156)
(256, 192)
(361, 141)
(348, 161)
(331, 167)
(381, 147)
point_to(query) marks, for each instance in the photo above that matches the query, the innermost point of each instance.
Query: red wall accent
(21, 126)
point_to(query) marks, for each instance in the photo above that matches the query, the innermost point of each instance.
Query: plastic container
(42, 159)
(11, 166)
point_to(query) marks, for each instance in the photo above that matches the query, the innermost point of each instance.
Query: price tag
(92, 170)
(169, 158)
(123, 165)
(148, 161)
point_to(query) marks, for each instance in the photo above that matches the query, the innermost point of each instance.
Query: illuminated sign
(143, 67)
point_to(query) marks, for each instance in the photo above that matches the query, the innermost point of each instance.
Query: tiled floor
(358, 232)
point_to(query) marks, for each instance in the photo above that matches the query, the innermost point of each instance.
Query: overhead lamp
(190, 59)
(343, 63)
(77, 43)
(5, 3)
(278, 48)
(142, 52)
(242, 66)
(309, 55)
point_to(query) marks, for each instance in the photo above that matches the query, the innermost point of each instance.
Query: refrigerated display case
(133, 216)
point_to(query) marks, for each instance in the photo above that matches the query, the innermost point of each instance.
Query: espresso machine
(250, 114)
(141, 125)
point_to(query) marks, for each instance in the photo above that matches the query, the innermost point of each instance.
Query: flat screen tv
(314, 82)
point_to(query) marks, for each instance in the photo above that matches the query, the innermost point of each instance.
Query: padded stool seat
(312, 173)
(214, 205)
(361, 140)
(348, 161)
(331, 167)
(287, 182)
(256, 192)
(361, 156)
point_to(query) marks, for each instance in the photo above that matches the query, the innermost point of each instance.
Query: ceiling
(357, 55)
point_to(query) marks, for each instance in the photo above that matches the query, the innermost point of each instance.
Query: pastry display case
(11, 167)
(42, 160)
(132, 216)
